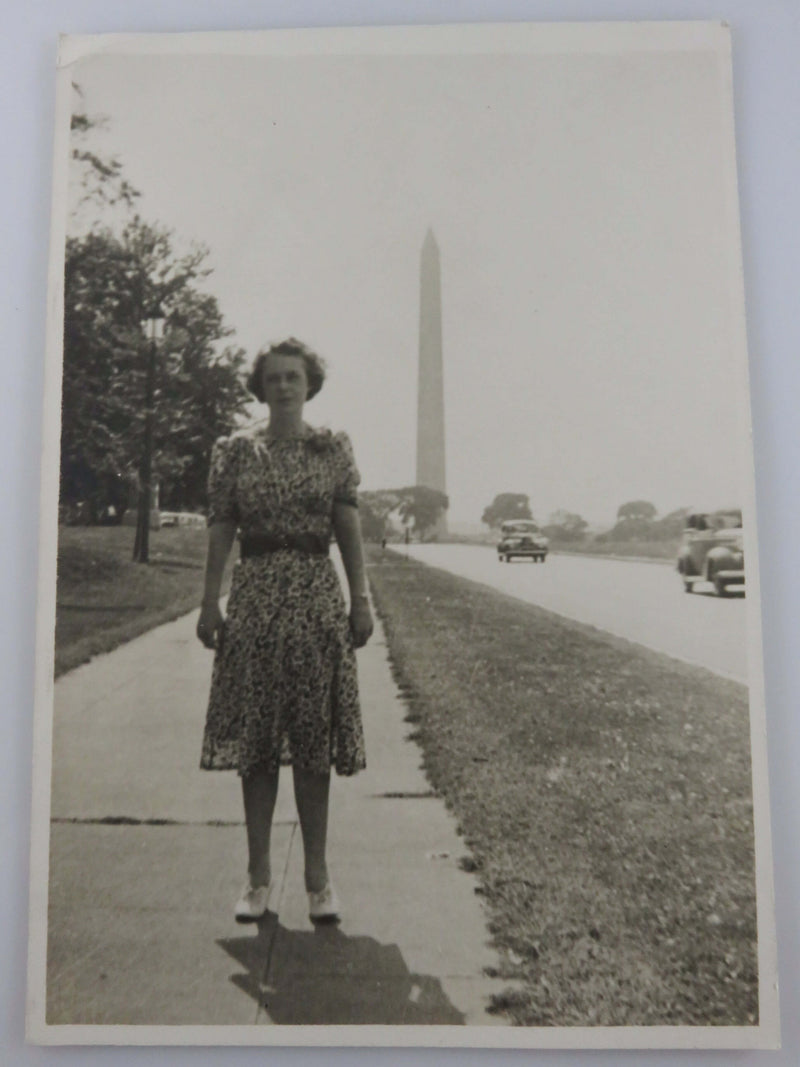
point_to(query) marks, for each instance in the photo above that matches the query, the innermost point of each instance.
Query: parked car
(712, 550)
(182, 518)
(521, 537)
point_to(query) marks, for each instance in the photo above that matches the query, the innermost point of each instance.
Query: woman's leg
(259, 790)
(311, 796)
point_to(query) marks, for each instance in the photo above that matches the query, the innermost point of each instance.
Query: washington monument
(430, 399)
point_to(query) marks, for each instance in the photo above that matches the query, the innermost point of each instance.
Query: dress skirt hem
(284, 688)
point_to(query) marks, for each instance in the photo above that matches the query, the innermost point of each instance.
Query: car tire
(718, 583)
(688, 587)
(500, 557)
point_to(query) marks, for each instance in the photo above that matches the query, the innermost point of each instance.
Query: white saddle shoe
(323, 907)
(253, 904)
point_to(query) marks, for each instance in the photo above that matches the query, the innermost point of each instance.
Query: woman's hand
(210, 625)
(361, 626)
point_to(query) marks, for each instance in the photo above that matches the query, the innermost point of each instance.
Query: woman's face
(284, 383)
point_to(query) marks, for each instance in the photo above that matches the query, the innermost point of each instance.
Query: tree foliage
(565, 526)
(375, 507)
(97, 179)
(114, 278)
(506, 506)
(422, 507)
(416, 506)
(112, 283)
(637, 509)
(637, 521)
(671, 525)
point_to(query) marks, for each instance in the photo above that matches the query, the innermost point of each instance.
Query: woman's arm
(347, 528)
(220, 540)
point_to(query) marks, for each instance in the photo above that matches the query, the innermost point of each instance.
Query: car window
(729, 520)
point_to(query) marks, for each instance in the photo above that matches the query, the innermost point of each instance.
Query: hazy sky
(586, 252)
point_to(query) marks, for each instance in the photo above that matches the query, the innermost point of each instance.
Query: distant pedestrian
(284, 688)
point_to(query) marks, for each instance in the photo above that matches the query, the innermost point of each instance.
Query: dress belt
(263, 544)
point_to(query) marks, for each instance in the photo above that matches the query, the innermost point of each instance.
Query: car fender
(683, 563)
(724, 557)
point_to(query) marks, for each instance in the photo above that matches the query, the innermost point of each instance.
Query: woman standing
(284, 688)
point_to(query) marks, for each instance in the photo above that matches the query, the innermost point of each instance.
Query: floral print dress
(284, 688)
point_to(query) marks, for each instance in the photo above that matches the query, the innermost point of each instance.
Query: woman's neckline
(303, 431)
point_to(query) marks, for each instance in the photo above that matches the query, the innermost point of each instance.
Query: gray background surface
(766, 41)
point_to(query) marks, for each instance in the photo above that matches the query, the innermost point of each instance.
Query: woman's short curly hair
(314, 364)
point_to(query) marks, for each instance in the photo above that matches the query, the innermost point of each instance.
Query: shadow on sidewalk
(325, 977)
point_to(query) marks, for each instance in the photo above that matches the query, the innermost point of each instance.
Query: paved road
(643, 602)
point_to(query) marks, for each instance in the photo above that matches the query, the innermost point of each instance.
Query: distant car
(182, 518)
(522, 538)
(712, 550)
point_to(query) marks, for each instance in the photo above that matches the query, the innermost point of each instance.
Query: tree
(200, 398)
(416, 505)
(113, 280)
(637, 509)
(376, 505)
(565, 526)
(671, 525)
(635, 521)
(111, 283)
(373, 527)
(97, 181)
(421, 506)
(506, 506)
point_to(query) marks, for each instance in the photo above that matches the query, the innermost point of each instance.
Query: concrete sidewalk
(148, 856)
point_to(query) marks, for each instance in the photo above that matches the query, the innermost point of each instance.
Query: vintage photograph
(399, 671)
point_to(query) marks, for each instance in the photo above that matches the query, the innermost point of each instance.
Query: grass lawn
(104, 599)
(604, 794)
(655, 550)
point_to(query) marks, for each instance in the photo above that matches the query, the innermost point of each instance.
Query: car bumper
(733, 576)
(522, 551)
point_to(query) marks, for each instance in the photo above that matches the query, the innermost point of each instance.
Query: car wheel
(500, 557)
(688, 587)
(718, 583)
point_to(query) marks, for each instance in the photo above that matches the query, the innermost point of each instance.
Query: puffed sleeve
(222, 482)
(347, 476)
